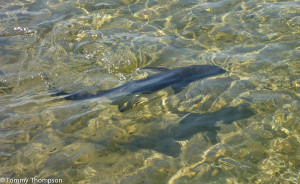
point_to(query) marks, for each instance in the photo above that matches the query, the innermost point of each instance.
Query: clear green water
(102, 44)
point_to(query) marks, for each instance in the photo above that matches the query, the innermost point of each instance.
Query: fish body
(124, 95)
(176, 78)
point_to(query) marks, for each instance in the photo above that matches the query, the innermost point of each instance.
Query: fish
(177, 79)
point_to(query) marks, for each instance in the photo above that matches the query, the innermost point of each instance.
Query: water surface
(239, 127)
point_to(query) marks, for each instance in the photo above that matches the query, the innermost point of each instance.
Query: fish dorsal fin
(157, 68)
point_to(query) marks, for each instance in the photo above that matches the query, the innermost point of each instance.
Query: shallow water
(238, 127)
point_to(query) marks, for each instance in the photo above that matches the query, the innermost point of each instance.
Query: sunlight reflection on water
(240, 127)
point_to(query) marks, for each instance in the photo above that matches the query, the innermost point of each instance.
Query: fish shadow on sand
(166, 141)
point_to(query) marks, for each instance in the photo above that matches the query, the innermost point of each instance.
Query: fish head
(207, 70)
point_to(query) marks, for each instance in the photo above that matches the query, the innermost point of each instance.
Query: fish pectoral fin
(157, 68)
(125, 106)
(128, 103)
(179, 86)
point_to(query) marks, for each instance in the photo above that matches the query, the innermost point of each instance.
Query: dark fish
(177, 78)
